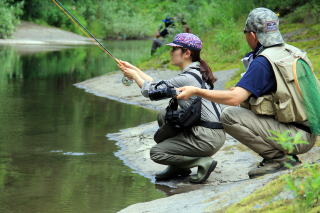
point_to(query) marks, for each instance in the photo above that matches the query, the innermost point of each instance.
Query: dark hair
(205, 70)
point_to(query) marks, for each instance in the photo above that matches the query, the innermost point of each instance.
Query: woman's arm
(141, 74)
(132, 74)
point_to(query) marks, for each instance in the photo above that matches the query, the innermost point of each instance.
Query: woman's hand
(128, 72)
(127, 65)
(186, 92)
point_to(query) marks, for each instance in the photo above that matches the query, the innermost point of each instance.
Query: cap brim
(173, 45)
(270, 39)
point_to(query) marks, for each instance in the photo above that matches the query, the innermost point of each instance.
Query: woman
(188, 147)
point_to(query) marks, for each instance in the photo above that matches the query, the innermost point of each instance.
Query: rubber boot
(205, 166)
(172, 172)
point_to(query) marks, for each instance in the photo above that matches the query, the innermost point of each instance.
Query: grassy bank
(275, 197)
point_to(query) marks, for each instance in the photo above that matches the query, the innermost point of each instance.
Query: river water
(54, 155)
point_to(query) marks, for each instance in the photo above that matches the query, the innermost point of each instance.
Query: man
(266, 94)
(162, 33)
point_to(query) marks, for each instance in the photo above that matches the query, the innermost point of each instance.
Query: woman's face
(177, 56)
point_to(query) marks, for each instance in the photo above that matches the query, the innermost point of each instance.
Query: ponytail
(205, 70)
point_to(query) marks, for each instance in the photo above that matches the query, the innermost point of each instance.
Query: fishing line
(125, 80)
(83, 29)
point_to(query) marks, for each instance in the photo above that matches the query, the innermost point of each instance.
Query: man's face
(252, 40)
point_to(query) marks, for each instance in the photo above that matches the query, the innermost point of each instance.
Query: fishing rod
(126, 81)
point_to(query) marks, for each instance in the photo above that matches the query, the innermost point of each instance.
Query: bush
(308, 13)
(9, 17)
(306, 188)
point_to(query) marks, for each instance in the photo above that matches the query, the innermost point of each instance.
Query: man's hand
(186, 92)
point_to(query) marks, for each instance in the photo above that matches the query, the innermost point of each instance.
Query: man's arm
(228, 97)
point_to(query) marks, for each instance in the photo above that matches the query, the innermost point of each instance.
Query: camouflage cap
(265, 23)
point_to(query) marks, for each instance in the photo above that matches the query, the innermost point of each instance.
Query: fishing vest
(285, 104)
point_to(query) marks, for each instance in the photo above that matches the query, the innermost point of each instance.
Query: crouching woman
(190, 131)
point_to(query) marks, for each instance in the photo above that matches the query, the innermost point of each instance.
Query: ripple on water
(72, 153)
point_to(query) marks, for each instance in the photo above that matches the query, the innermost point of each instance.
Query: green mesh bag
(309, 88)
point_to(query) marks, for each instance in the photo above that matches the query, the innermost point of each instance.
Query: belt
(302, 127)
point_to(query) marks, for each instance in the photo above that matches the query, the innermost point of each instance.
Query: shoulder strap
(203, 87)
(198, 79)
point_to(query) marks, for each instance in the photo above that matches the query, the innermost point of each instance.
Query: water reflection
(54, 156)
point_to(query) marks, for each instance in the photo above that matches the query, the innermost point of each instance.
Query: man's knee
(227, 115)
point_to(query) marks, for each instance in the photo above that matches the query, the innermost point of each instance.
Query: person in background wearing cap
(162, 33)
(192, 147)
(266, 94)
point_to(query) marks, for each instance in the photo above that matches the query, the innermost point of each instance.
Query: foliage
(9, 17)
(287, 141)
(272, 198)
(287, 6)
(307, 187)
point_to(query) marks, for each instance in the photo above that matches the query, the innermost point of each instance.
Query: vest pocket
(262, 105)
(285, 67)
(285, 113)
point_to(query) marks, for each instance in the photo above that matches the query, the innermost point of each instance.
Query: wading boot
(269, 166)
(172, 172)
(205, 166)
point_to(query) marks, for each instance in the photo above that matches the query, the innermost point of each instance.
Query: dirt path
(229, 182)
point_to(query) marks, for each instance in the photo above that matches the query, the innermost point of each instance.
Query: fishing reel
(126, 81)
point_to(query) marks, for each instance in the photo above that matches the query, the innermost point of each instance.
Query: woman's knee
(157, 154)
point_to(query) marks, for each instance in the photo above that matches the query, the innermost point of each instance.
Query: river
(54, 153)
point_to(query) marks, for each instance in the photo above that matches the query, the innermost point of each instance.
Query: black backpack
(191, 116)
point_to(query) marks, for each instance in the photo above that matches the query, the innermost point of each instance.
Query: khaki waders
(252, 130)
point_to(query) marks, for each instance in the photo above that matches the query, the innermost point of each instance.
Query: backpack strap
(203, 87)
(211, 125)
(216, 109)
(198, 79)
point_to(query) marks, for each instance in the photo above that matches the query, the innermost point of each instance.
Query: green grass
(263, 200)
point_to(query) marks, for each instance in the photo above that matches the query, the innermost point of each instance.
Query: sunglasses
(246, 31)
(177, 48)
